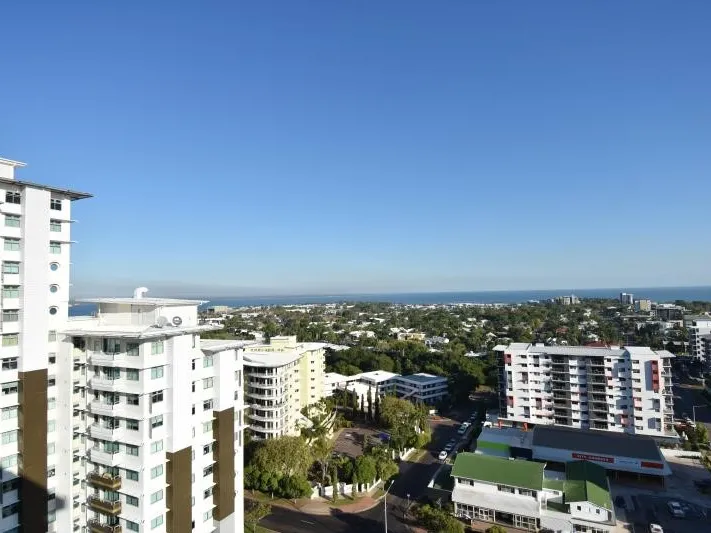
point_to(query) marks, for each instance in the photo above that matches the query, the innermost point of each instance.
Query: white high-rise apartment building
(163, 418)
(35, 229)
(626, 390)
(282, 377)
(699, 327)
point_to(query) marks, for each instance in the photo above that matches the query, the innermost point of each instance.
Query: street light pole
(693, 410)
(385, 508)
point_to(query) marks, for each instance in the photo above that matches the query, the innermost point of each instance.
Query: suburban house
(523, 495)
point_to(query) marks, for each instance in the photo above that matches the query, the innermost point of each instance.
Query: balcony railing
(97, 527)
(105, 481)
(104, 506)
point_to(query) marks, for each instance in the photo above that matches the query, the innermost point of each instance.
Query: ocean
(656, 294)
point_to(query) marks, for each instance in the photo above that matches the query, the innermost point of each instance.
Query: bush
(438, 520)
(293, 487)
(496, 529)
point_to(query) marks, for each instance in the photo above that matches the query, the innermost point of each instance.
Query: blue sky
(320, 146)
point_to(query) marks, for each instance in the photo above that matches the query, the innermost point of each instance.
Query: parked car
(487, 424)
(442, 455)
(655, 528)
(675, 509)
(449, 447)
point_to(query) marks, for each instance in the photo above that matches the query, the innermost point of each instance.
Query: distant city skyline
(403, 146)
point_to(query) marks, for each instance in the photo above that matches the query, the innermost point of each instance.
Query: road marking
(310, 523)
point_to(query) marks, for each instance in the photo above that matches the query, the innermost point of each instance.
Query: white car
(443, 455)
(655, 528)
(675, 509)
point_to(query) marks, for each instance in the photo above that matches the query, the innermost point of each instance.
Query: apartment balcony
(97, 527)
(105, 481)
(104, 506)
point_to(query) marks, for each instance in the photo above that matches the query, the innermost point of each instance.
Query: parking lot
(653, 509)
(351, 441)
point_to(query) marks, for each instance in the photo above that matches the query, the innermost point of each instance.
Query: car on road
(487, 424)
(442, 455)
(620, 502)
(449, 447)
(655, 528)
(675, 509)
(463, 428)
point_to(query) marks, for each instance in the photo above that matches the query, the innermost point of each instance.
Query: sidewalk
(321, 506)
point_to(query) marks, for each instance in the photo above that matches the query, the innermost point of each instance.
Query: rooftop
(523, 474)
(73, 195)
(220, 345)
(157, 302)
(377, 375)
(423, 378)
(92, 328)
(587, 482)
(597, 442)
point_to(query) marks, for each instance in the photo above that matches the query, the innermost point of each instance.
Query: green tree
(285, 455)
(370, 404)
(362, 407)
(365, 469)
(293, 487)
(269, 330)
(702, 434)
(496, 529)
(438, 520)
(322, 450)
(376, 412)
(254, 512)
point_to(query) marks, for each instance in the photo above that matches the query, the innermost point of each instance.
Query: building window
(11, 315)
(132, 399)
(207, 471)
(55, 204)
(207, 515)
(157, 348)
(156, 446)
(206, 427)
(132, 424)
(10, 268)
(157, 522)
(131, 500)
(51, 426)
(11, 291)
(506, 488)
(54, 267)
(55, 247)
(206, 405)
(157, 397)
(13, 484)
(55, 225)
(8, 461)
(12, 197)
(131, 526)
(207, 361)
(53, 310)
(132, 374)
(132, 475)
(207, 383)
(157, 496)
(52, 336)
(12, 245)
(157, 421)
(12, 221)
(156, 471)
(156, 372)
(9, 412)
(131, 449)
(12, 339)
(132, 349)
(9, 436)
(10, 510)
(50, 448)
(10, 363)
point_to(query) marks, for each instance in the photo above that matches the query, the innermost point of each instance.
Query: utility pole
(385, 508)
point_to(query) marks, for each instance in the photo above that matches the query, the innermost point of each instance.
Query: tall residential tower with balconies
(163, 418)
(624, 390)
(35, 229)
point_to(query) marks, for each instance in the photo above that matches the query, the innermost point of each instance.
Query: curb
(327, 511)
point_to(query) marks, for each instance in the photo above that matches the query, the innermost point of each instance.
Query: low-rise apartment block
(161, 414)
(613, 389)
(282, 377)
(523, 495)
(422, 387)
(699, 327)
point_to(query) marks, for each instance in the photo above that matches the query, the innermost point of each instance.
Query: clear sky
(332, 146)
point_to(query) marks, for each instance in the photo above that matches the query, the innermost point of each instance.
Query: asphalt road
(686, 396)
(412, 481)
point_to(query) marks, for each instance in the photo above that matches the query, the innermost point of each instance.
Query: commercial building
(524, 495)
(625, 457)
(282, 377)
(36, 260)
(626, 390)
(699, 327)
(160, 412)
(425, 388)
(643, 306)
(626, 298)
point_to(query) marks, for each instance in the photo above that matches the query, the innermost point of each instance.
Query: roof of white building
(73, 195)
(220, 345)
(422, 378)
(271, 359)
(499, 501)
(378, 375)
(165, 302)
(331, 378)
(92, 328)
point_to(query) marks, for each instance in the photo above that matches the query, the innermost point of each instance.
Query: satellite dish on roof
(161, 322)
